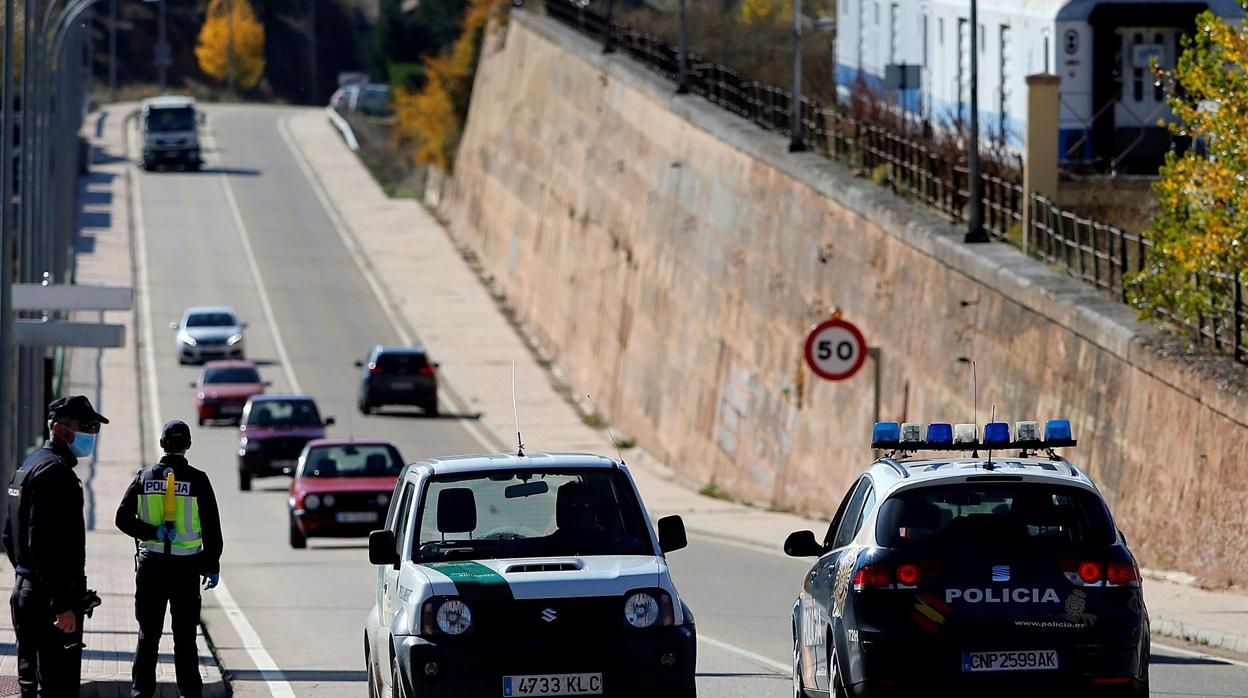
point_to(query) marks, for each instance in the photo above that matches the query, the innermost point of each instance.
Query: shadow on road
(302, 675)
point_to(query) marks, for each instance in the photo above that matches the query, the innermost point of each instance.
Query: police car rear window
(994, 515)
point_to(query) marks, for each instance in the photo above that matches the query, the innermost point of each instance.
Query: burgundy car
(224, 387)
(342, 488)
(274, 430)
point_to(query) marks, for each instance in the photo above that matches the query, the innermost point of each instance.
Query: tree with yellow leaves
(231, 44)
(756, 12)
(1200, 233)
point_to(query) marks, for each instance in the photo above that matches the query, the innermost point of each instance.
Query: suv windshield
(272, 413)
(407, 364)
(238, 374)
(1013, 515)
(210, 320)
(353, 460)
(538, 513)
(170, 120)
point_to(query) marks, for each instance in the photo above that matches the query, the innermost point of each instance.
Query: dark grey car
(398, 376)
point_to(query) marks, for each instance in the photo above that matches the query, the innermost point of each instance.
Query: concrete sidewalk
(431, 292)
(110, 378)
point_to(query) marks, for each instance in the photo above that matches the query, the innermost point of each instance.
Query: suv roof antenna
(515, 411)
(610, 435)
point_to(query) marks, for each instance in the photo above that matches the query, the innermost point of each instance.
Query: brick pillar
(1041, 149)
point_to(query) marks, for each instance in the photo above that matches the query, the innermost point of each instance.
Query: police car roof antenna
(615, 443)
(515, 412)
(993, 418)
(975, 404)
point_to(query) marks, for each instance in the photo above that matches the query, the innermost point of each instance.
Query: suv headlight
(646, 609)
(234, 339)
(447, 615)
(252, 446)
(189, 341)
(311, 502)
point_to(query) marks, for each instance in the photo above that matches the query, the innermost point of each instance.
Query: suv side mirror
(330, 421)
(381, 548)
(672, 534)
(194, 385)
(173, 325)
(802, 544)
(359, 364)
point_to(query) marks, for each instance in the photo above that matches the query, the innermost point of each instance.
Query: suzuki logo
(1000, 573)
(549, 615)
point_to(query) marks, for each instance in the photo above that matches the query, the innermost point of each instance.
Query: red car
(342, 488)
(224, 387)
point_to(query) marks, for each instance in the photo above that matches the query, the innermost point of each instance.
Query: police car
(534, 575)
(996, 567)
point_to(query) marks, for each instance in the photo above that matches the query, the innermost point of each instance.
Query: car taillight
(882, 575)
(374, 369)
(427, 371)
(1111, 573)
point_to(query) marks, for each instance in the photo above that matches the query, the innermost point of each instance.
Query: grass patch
(625, 442)
(713, 491)
(593, 420)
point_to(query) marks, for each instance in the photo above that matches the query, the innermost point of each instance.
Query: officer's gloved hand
(211, 580)
(165, 532)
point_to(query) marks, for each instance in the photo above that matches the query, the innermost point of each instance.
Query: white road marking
(350, 242)
(265, 304)
(1200, 655)
(274, 680)
(776, 666)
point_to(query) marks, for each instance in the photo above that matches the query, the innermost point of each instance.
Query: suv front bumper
(655, 663)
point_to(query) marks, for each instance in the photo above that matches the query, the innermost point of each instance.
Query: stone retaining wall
(671, 257)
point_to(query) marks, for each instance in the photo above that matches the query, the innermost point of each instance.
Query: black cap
(75, 407)
(175, 436)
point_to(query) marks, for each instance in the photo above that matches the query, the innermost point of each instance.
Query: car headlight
(311, 502)
(453, 617)
(641, 610)
(234, 339)
(252, 446)
(646, 609)
(328, 500)
(189, 341)
(383, 499)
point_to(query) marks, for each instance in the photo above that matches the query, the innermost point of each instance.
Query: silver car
(209, 332)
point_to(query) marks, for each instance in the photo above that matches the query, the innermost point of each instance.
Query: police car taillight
(1098, 573)
(882, 575)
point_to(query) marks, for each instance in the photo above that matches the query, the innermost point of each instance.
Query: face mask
(82, 445)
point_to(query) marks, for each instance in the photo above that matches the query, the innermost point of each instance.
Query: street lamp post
(796, 143)
(682, 58)
(163, 57)
(975, 226)
(6, 247)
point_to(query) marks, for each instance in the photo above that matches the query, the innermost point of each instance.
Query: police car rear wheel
(396, 680)
(244, 482)
(834, 671)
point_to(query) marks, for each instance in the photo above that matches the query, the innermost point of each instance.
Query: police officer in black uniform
(177, 548)
(45, 538)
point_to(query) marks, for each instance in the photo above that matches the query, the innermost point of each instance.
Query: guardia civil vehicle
(525, 575)
(994, 566)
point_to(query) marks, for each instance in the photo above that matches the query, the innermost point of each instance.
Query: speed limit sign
(835, 350)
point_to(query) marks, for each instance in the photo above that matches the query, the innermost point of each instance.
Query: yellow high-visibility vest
(188, 538)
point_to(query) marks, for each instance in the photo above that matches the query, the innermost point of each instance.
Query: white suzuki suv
(534, 575)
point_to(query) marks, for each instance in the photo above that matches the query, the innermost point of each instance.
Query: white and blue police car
(988, 565)
(536, 575)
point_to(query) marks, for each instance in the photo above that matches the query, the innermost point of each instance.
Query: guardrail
(899, 151)
(340, 123)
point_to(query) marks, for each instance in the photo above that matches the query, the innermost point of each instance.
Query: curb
(1186, 632)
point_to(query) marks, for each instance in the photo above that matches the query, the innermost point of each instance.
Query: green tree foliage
(409, 30)
(1200, 233)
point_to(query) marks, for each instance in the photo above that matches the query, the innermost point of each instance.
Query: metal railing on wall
(900, 151)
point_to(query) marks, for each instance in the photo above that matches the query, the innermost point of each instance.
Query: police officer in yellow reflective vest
(180, 544)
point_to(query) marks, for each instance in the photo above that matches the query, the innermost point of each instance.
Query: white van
(170, 133)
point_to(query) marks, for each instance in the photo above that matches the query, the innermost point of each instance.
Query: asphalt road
(249, 231)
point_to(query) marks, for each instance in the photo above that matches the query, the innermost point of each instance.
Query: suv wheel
(244, 481)
(298, 541)
(366, 407)
(799, 691)
(431, 408)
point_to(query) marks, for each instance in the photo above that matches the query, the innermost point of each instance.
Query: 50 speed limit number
(835, 350)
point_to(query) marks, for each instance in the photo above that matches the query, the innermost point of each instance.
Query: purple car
(274, 429)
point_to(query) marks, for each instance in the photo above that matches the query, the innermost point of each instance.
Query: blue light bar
(885, 434)
(996, 433)
(939, 433)
(1057, 430)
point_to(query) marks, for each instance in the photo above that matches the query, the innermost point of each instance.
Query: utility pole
(314, 91)
(6, 253)
(112, 50)
(608, 42)
(795, 104)
(975, 227)
(164, 55)
(229, 47)
(682, 60)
